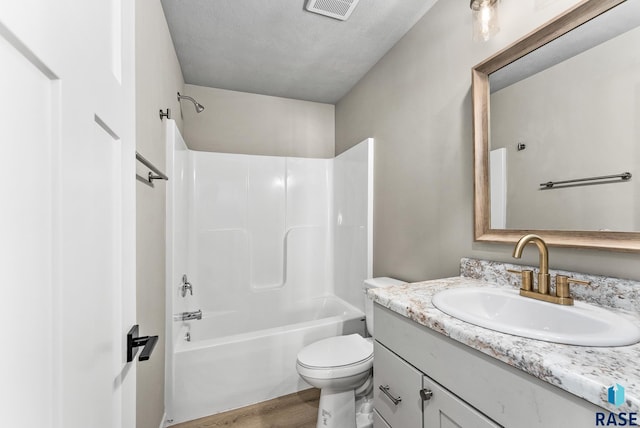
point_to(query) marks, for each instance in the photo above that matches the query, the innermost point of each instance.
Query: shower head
(199, 107)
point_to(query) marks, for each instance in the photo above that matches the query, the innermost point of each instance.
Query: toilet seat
(336, 357)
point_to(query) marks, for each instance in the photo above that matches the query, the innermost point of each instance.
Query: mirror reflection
(570, 110)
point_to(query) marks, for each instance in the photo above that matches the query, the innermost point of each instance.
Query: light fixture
(485, 19)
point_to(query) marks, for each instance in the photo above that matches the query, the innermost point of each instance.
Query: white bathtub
(237, 358)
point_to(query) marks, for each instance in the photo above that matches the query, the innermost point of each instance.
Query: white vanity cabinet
(404, 397)
(468, 388)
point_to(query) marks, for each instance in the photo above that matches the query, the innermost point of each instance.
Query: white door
(67, 213)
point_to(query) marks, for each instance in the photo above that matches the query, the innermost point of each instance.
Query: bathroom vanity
(438, 371)
(467, 387)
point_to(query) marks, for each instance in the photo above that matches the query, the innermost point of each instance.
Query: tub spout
(185, 316)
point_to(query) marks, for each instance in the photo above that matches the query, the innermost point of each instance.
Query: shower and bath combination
(199, 107)
(271, 269)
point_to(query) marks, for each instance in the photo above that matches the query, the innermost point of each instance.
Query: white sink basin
(506, 311)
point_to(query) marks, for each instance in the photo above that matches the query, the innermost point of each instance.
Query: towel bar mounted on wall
(149, 179)
(616, 178)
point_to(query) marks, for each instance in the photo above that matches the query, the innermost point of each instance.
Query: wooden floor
(299, 410)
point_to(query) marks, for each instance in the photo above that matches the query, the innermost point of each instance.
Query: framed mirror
(556, 129)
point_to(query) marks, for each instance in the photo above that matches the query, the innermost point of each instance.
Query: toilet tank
(380, 282)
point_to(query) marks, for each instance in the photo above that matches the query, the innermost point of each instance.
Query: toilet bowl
(338, 366)
(341, 367)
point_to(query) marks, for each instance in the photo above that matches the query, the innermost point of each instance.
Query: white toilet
(341, 367)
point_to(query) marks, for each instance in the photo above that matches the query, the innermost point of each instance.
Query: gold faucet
(562, 295)
(543, 275)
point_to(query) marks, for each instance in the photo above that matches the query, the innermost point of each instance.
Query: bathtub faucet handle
(186, 285)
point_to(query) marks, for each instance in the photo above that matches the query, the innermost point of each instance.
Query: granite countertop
(583, 371)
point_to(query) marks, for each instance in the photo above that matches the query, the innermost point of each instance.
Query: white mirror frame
(567, 21)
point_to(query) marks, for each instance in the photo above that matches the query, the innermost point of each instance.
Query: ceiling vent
(338, 9)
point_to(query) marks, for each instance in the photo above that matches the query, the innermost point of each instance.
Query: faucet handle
(562, 285)
(527, 278)
(186, 285)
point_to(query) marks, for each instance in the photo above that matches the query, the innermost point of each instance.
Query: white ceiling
(276, 47)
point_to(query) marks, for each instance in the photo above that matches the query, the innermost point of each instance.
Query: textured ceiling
(276, 47)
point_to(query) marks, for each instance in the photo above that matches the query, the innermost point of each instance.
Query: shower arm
(199, 107)
(186, 97)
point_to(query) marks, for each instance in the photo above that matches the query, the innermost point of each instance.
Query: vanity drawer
(403, 383)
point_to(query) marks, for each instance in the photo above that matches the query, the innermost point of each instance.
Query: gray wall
(239, 122)
(578, 120)
(158, 79)
(416, 104)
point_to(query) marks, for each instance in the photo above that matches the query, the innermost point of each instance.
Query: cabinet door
(378, 422)
(445, 410)
(397, 386)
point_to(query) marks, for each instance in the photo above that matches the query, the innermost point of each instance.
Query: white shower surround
(276, 249)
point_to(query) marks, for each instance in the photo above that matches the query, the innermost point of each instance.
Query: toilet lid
(336, 351)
